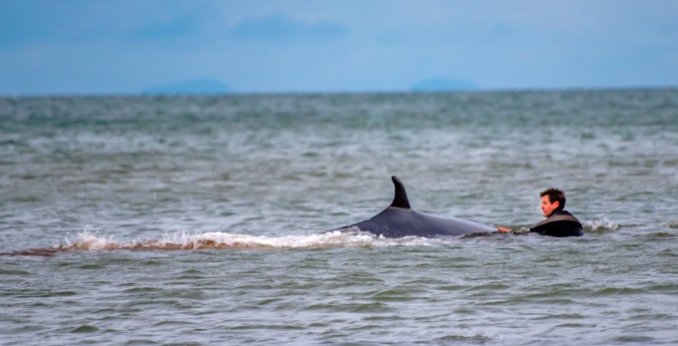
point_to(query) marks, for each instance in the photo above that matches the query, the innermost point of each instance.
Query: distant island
(190, 87)
(442, 85)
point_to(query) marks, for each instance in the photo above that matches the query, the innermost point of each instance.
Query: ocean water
(204, 220)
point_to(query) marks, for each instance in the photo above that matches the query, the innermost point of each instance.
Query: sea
(208, 220)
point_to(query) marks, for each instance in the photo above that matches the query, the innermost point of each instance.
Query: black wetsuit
(559, 224)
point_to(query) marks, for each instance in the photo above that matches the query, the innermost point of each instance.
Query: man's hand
(504, 230)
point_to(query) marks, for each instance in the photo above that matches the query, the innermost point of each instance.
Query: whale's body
(400, 220)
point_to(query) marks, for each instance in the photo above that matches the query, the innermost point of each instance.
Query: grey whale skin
(400, 220)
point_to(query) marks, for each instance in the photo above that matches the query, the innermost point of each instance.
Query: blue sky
(124, 47)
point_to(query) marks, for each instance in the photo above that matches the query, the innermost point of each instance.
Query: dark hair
(555, 195)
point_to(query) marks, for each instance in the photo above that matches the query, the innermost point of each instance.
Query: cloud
(174, 28)
(161, 31)
(179, 27)
(75, 46)
(280, 27)
(35, 22)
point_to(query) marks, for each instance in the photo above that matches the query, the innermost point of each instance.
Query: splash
(673, 224)
(91, 241)
(600, 225)
(596, 226)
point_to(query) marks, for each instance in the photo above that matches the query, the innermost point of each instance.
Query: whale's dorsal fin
(400, 199)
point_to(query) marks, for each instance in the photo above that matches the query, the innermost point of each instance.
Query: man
(559, 222)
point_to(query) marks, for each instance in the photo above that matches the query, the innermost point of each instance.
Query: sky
(79, 47)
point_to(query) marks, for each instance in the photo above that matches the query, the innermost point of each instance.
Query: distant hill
(442, 85)
(190, 87)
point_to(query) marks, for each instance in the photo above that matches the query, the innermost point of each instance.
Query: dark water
(202, 219)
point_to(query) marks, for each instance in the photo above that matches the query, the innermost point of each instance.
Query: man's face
(547, 207)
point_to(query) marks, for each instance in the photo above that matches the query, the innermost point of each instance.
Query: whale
(399, 220)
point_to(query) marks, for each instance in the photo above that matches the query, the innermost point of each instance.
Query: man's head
(552, 200)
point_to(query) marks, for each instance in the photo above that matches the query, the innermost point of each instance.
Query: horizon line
(337, 92)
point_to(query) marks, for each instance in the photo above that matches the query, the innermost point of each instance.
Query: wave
(600, 226)
(347, 238)
(596, 227)
(352, 238)
(88, 241)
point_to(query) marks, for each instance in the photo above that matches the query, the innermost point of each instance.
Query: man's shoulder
(559, 216)
(564, 214)
(560, 224)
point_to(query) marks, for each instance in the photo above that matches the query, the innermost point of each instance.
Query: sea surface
(205, 220)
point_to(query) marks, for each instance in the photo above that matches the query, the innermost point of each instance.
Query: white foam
(601, 224)
(221, 240)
